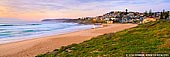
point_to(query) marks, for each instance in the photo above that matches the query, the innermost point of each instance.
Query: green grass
(151, 37)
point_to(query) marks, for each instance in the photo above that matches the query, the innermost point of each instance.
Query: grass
(153, 37)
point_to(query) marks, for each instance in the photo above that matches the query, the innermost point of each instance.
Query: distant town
(126, 17)
(120, 17)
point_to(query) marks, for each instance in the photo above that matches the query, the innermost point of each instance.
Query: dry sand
(30, 48)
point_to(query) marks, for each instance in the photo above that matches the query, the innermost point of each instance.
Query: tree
(163, 14)
(150, 12)
(155, 14)
(166, 15)
(163, 10)
(161, 17)
(126, 11)
(145, 13)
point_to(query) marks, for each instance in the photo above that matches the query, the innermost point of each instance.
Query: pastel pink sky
(42, 9)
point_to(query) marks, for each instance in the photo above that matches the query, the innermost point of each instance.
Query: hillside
(56, 20)
(153, 37)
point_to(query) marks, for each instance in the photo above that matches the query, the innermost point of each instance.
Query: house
(109, 22)
(107, 19)
(148, 20)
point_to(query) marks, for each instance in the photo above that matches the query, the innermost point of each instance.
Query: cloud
(144, 7)
(54, 5)
(75, 8)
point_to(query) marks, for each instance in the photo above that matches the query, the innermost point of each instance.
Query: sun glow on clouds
(40, 9)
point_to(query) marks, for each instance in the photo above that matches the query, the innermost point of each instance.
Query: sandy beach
(30, 48)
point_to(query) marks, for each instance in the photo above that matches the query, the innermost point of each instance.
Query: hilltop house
(108, 20)
(148, 20)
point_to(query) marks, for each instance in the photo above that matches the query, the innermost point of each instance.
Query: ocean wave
(33, 24)
(7, 25)
(31, 29)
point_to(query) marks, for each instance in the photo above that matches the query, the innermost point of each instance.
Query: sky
(43, 9)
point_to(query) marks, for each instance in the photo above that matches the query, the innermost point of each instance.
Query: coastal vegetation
(148, 38)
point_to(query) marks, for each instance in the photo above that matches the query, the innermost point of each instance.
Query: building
(109, 22)
(149, 20)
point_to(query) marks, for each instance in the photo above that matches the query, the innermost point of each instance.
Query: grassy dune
(153, 37)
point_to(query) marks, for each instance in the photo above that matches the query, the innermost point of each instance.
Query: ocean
(11, 32)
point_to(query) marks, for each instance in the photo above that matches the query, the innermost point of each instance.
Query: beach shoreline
(35, 46)
(47, 35)
(11, 35)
